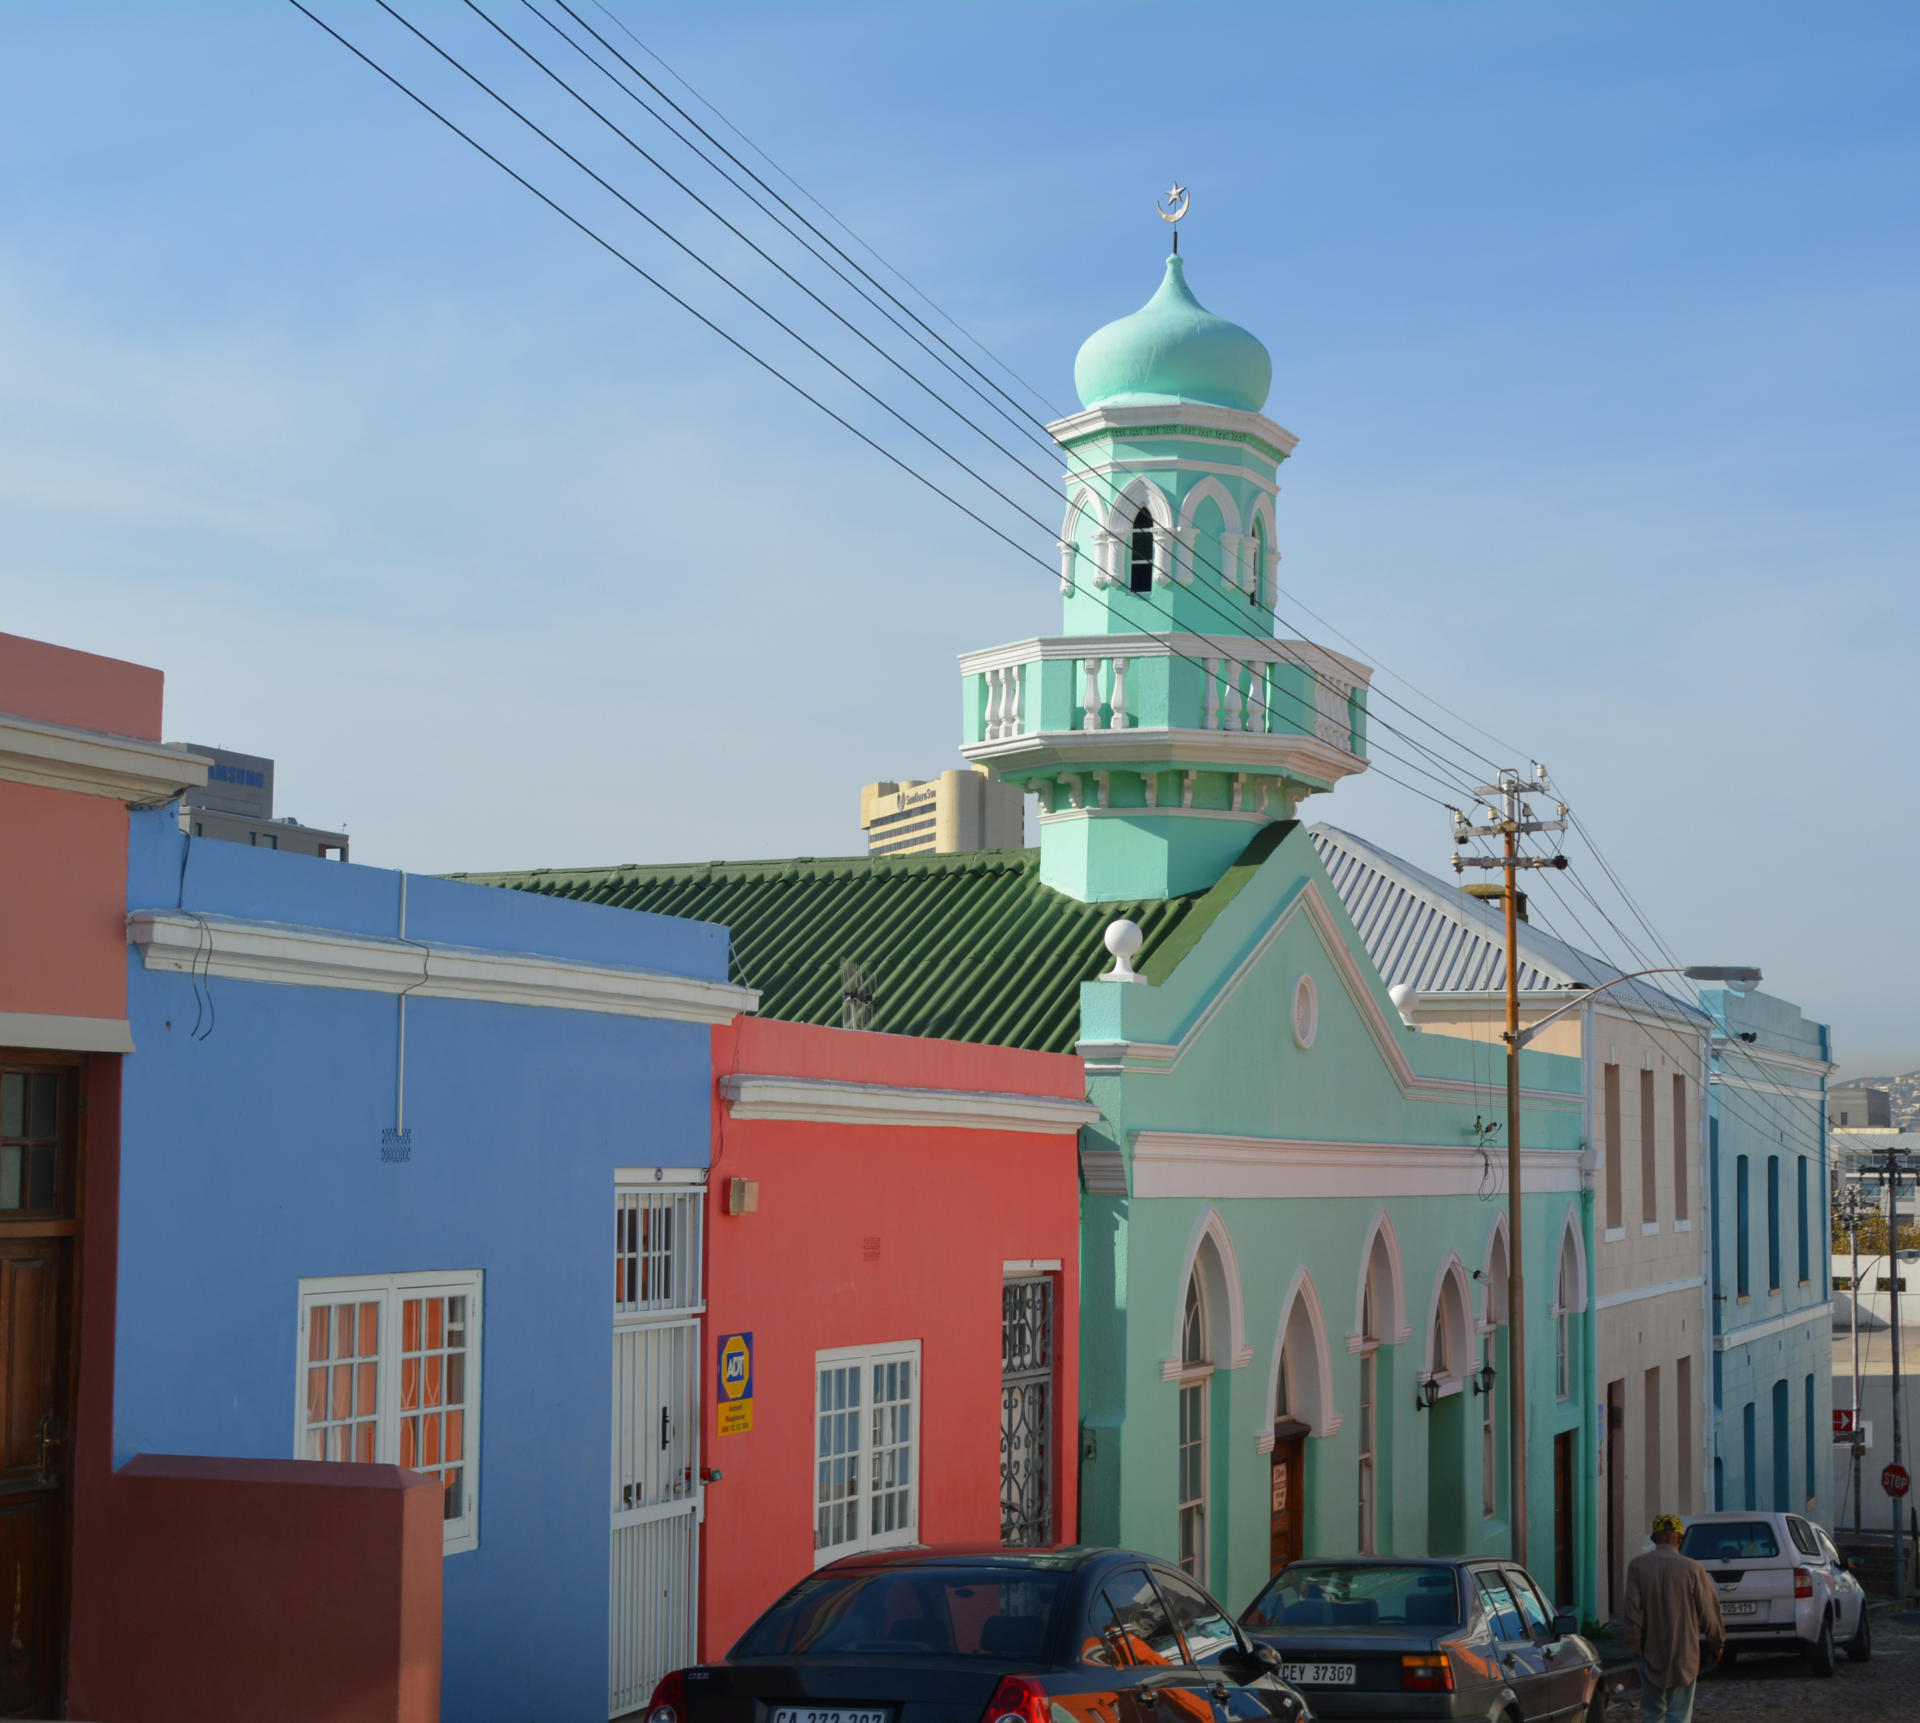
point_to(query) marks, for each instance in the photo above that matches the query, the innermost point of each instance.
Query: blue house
(412, 1171)
(1772, 1301)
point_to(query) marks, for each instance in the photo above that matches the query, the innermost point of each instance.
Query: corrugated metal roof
(967, 947)
(1418, 928)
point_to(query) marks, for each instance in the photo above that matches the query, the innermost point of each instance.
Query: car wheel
(1820, 1652)
(1860, 1646)
(1597, 1705)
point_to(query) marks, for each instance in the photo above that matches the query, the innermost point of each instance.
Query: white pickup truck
(1783, 1586)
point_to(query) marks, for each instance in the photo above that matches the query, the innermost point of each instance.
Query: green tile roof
(968, 947)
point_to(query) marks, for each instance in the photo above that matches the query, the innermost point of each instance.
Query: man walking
(1672, 1613)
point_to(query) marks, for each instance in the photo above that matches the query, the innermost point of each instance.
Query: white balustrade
(1003, 702)
(1232, 718)
(1090, 718)
(1117, 705)
(1210, 700)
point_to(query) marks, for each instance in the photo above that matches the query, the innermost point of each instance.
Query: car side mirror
(1564, 1623)
(1255, 1655)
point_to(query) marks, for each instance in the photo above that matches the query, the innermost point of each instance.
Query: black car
(987, 1635)
(1412, 1637)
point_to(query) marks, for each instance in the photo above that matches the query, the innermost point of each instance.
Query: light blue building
(1772, 1309)
(388, 1144)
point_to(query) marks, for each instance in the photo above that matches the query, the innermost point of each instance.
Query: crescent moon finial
(1174, 205)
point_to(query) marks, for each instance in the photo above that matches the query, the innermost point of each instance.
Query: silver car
(1783, 1586)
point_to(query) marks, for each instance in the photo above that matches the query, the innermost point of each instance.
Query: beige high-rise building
(949, 815)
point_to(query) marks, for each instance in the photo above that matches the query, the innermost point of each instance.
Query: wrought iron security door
(656, 1440)
(1026, 1411)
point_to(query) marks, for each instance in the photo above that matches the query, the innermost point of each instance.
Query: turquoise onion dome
(1173, 349)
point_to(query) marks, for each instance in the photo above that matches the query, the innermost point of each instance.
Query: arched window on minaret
(1256, 551)
(1140, 554)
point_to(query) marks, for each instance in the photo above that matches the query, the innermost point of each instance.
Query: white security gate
(656, 1441)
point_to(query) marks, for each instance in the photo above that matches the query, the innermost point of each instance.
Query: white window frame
(1367, 1476)
(865, 1538)
(390, 1290)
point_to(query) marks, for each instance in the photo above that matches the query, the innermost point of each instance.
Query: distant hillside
(1905, 1102)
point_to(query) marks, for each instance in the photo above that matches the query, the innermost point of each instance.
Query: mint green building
(1294, 1250)
(1293, 1260)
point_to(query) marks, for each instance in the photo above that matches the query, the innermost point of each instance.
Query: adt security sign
(734, 1402)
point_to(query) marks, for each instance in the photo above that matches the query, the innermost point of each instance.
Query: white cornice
(1442, 1002)
(836, 1101)
(1081, 475)
(1200, 1164)
(1091, 421)
(1635, 1294)
(93, 763)
(289, 956)
(49, 1032)
(1283, 753)
(1772, 1326)
(1769, 1056)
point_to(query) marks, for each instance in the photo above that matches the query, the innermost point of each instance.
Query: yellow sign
(734, 1403)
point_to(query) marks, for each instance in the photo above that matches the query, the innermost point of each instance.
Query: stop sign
(1894, 1480)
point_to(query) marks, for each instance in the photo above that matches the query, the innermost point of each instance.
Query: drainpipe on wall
(1703, 1228)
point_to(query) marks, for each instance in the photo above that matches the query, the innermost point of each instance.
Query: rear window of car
(912, 1612)
(1730, 1540)
(1337, 1595)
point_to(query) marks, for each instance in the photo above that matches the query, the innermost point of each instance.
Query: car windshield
(911, 1612)
(1730, 1540)
(1330, 1594)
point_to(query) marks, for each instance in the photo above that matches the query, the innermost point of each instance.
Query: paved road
(1780, 1690)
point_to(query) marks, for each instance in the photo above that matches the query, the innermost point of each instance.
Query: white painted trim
(93, 763)
(1571, 1237)
(1616, 1234)
(1454, 1270)
(1380, 1228)
(1211, 1226)
(1038, 1265)
(865, 1539)
(1082, 473)
(47, 1032)
(838, 1101)
(1105, 1057)
(1683, 1225)
(648, 1178)
(1772, 1326)
(1199, 1164)
(1648, 1228)
(1090, 421)
(1145, 813)
(1774, 1056)
(1301, 1290)
(1246, 648)
(1636, 1294)
(285, 955)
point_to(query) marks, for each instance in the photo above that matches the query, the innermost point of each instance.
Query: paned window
(1610, 1105)
(1256, 575)
(1649, 1155)
(1801, 1215)
(866, 1448)
(1195, 1370)
(1366, 1478)
(31, 1169)
(1683, 1434)
(656, 1250)
(1742, 1227)
(1682, 1196)
(390, 1373)
(1489, 1444)
(1140, 554)
(1773, 1223)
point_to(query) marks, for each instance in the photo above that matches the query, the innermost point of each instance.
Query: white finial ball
(1406, 999)
(1124, 938)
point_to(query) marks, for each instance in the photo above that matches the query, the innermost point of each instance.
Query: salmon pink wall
(57, 685)
(867, 1234)
(63, 903)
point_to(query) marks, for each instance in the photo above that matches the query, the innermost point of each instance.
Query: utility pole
(1509, 818)
(1850, 1210)
(1894, 1170)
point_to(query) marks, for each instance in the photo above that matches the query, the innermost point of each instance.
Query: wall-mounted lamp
(1426, 1393)
(1483, 1379)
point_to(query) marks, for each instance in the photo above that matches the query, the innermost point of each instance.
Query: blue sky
(1595, 323)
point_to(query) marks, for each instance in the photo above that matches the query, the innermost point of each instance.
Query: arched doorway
(1301, 1395)
(1449, 1360)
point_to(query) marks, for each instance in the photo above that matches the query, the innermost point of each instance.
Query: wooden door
(1287, 1536)
(1563, 1519)
(1616, 1438)
(38, 1105)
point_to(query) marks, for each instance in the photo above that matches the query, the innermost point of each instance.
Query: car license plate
(819, 1714)
(1739, 1609)
(1318, 1674)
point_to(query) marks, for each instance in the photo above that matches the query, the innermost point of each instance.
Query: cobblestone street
(1781, 1690)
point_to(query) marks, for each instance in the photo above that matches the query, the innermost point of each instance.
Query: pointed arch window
(1195, 1368)
(1140, 553)
(1256, 549)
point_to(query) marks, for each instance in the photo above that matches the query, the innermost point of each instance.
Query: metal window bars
(1026, 1411)
(656, 1260)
